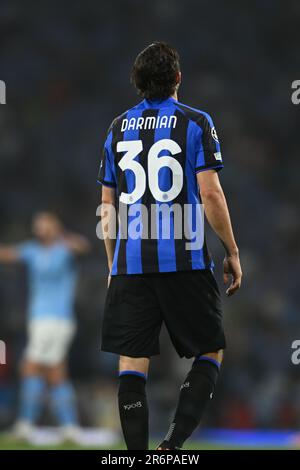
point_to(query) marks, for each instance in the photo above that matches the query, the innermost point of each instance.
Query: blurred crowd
(66, 71)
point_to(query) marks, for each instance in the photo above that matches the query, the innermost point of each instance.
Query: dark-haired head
(156, 71)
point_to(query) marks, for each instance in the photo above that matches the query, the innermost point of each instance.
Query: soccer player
(50, 260)
(161, 158)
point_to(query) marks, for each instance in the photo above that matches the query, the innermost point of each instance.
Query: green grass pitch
(6, 443)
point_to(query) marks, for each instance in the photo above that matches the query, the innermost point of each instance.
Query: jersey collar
(159, 103)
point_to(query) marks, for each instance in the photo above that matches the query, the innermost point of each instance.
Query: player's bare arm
(8, 254)
(107, 210)
(78, 244)
(217, 214)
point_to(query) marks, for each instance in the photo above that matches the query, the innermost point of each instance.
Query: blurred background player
(50, 260)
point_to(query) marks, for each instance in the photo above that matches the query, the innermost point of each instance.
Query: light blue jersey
(52, 279)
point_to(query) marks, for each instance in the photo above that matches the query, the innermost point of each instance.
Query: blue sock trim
(209, 359)
(133, 372)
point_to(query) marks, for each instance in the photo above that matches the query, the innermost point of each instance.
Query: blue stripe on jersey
(200, 157)
(113, 169)
(208, 117)
(193, 192)
(114, 269)
(133, 246)
(218, 149)
(165, 247)
(109, 174)
(211, 123)
(217, 143)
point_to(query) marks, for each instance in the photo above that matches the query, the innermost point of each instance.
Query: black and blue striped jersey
(151, 156)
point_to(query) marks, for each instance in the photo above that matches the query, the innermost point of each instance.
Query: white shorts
(49, 340)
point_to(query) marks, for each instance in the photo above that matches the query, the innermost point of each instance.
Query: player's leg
(31, 397)
(62, 394)
(133, 406)
(195, 393)
(32, 381)
(131, 327)
(63, 399)
(191, 307)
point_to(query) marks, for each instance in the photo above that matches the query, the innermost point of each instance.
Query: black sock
(133, 410)
(195, 393)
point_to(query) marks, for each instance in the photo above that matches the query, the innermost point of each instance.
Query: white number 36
(132, 149)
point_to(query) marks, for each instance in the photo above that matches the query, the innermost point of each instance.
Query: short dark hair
(155, 71)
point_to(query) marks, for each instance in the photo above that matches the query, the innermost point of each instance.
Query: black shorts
(188, 302)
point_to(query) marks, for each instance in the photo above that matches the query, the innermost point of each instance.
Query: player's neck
(174, 96)
(47, 241)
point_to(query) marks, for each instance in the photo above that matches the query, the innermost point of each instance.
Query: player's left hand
(232, 267)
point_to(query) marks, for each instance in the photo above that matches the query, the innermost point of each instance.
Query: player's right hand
(232, 268)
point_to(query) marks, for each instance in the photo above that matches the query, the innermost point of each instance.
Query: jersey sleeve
(26, 251)
(107, 174)
(208, 153)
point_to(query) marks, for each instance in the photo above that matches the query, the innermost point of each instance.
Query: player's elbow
(84, 247)
(108, 201)
(211, 194)
(108, 196)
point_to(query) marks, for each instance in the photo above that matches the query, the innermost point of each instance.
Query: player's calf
(32, 389)
(63, 400)
(133, 405)
(195, 393)
(138, 364)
